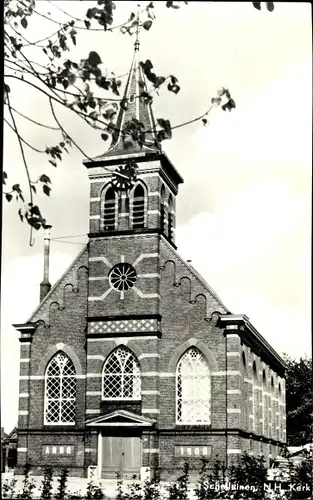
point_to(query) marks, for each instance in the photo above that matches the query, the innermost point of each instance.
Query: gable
(198, 286)
(56, 294)
(122, 418)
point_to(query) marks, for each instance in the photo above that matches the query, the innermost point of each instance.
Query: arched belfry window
(109, 209)
(162, 209)
(170, 218)
(139, 207)
(60, 391)
(121, 377)
(193, 389)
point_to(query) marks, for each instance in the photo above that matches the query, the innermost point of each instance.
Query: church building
(131, 363)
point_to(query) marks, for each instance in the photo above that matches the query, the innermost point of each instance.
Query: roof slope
(56, 292)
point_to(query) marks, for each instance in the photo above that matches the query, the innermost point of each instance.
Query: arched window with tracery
(109, 209)
(121, 377)
(139, 207)
(193, 389)
(60, 391)
(170, 218)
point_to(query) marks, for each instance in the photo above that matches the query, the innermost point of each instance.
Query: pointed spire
(134, 107)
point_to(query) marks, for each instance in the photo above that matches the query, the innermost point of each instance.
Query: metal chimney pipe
(45, 285)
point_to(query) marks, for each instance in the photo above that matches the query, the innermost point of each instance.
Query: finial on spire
(137, 30)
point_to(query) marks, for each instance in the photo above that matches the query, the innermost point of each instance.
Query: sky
(244, 210)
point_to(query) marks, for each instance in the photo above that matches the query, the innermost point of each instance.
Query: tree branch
(31, 242)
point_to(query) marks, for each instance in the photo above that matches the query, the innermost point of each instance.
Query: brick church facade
(131, 361)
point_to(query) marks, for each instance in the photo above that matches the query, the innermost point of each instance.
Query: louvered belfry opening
(109, 209)
(139, 207)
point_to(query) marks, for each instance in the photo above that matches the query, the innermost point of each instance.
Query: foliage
(82, 87)
(46, 492)
(8, 488)
(299, 401)
(28, 484)
(62, 487)
(250, 472)
(179, 489)
(93, 490)
(211, 481)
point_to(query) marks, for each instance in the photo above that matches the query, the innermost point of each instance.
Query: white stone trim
(90, 450)
(25, 343)
(23, 412)
(233, 410)
(137, 337)
(149, 374)
(24, 395)
(230, 354)
(150, 393)
(96, 356)
(151, 450)
(92, 411)
(95, 199)
(93, 393)
(149, 355)
(233, 451)
(24, 360)
(22, 450)
(224, 373)
(233, 391)
(146, 295)
(98, 278)
(231, 327)
(94, 217)
(150, 410)
(232, 335)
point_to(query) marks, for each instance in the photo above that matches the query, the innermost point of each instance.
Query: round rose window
(122, 277)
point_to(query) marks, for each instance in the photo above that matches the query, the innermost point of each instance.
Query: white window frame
(46, 399)
(120, 374)
(180, 399)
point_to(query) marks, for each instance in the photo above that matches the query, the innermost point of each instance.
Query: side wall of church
(61, 327)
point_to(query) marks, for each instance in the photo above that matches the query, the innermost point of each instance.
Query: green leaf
(147, 25)
(54, 163)
(44, 178)
(105, 136)
(204, 121)
(8, 196)
(21, 215)
(87, 24)
(4, 177)
(46, 189)
(7, 88)
(270, 6)
(93, 115)
(24, 22)
(94, 58)
(16, 188)
(71, 79)
(257, 5)
(33, 188)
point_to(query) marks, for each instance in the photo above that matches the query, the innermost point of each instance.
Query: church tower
(133, 192)
(131, 362)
